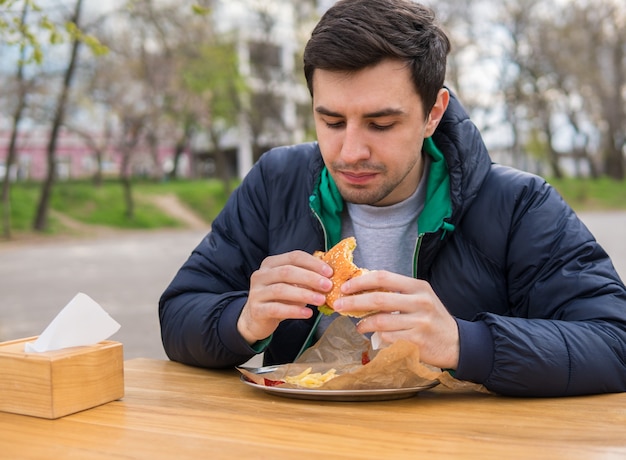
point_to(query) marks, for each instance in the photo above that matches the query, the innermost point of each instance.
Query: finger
(385, 322)
(385, 281)
(281, 311)
(299, 259)
(373, 301)
(290, 275)
(259, 321)
(286, 293)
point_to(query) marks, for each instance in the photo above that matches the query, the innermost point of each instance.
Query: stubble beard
(363, 194)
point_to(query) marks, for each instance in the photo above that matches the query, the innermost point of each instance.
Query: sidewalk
(125, 272)
(609, 228)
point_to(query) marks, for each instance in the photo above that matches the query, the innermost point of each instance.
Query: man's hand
(409, 309)
(281, 289)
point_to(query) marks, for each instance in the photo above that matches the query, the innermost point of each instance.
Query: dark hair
(355, 34)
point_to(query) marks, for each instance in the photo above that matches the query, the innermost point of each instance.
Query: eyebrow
(378, 114)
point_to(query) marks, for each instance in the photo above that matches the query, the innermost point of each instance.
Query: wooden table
(174, 411)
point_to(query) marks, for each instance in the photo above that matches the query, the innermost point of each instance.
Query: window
(264, 59)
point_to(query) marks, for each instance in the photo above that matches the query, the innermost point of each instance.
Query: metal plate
(384, 394)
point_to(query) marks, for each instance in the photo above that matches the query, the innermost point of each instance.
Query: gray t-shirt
(385, 235)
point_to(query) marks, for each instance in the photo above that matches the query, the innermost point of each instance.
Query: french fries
(307, 379)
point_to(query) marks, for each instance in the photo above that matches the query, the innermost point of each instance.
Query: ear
(436, 113)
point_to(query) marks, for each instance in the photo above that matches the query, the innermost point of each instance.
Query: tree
(131, 133)
(214, 77)
(30, 35)
(98, 144)
(564, 75)
(141, 85)
(15, 30)
(41, 217)
(17, 117)
(601, 73)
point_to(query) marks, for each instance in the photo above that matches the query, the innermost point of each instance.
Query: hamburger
(340, 257)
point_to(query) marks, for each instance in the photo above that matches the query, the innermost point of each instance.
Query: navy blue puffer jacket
(540, 308)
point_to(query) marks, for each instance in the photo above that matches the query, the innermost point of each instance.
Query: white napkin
(80, 322)
(377, 342)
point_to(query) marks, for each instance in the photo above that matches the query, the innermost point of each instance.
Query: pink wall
(75, 158)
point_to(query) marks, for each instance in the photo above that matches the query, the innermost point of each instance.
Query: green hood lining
(327, 204)
(438, 206)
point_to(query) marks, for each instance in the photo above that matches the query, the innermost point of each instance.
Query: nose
(354, 147)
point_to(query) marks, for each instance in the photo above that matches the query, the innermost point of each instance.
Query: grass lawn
(105, 205)
(590, 195)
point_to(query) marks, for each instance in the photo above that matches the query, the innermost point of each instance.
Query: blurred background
(135, 115)
(194, 89)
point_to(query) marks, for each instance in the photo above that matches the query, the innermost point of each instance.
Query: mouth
(358, 178)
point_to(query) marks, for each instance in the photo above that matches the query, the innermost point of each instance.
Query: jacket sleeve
(199, 310)
(564, 332)
(267, 214)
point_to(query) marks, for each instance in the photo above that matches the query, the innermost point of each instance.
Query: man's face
(370, 127)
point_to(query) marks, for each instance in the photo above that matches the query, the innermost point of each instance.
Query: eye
(334, 125)
(379, 127)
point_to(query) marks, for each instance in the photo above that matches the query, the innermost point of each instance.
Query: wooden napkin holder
(56, 383)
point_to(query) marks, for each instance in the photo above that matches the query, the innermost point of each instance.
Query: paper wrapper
(359, 366)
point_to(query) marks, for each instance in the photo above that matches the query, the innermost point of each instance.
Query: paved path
(609, 229)
(127, 272)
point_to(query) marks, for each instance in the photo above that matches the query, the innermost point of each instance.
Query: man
(483, 267)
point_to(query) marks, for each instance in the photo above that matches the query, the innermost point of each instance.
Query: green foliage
(537, 146)
(92, 42)
(15, 32)
(31, 34)
(200, 10)
(214, 76)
